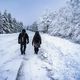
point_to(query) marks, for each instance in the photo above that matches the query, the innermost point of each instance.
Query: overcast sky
(28, 11)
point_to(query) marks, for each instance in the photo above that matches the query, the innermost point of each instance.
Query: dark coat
(23, 38)
(36, 40)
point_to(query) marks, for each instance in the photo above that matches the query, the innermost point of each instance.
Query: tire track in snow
(20, 73)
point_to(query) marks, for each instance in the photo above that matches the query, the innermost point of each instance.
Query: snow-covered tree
(64, 23)
(1, 24)
(45, 20)
(33, 27)
(9, 24)
(5, 22)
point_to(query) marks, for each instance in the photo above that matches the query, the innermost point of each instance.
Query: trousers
(36, 50)
(23, 48)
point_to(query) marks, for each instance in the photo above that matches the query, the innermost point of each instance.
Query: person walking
(36, 42)
(23, 39)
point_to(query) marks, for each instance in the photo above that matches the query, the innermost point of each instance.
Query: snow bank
(62, 56)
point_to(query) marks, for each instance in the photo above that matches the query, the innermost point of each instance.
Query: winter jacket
(23, 38)
(36, 40)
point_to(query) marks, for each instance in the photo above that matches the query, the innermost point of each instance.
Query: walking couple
(23, 39)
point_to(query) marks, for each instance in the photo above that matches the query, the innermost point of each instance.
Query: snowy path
(18, 67)
(58, 59)
(31, 67)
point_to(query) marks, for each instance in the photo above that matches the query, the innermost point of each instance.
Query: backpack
(37, 45)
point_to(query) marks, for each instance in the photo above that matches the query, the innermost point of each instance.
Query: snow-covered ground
(58, 59)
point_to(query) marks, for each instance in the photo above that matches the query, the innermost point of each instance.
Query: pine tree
(9, 24)
(1, 24)
(5, 22)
